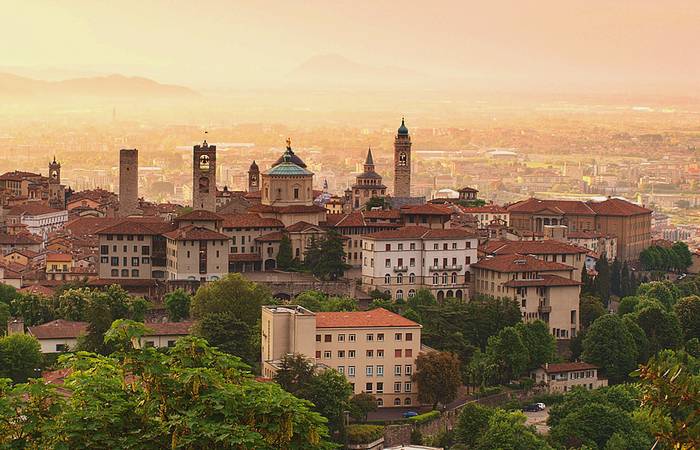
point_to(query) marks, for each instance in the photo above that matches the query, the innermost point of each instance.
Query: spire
(369, 161)
(402, 129)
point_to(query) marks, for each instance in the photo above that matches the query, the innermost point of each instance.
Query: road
(538, 419)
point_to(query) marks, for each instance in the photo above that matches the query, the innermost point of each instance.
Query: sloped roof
(137, 226)
(618, 207)
(31, 209)
(416, 232)
(546, 247)
(275, 236)
(301, 226)
(519, 263)
(250, 220)
(379, 318)
(568, 367)
(194, 233)
(543, 281)
(200, 215)
(427, 209)
(19, 239)
(168, 328)
(59, 329)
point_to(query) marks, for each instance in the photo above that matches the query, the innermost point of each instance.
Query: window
(407, 387)
(435, 279)
(115, 272)
(380, 353)
(104, 249)
(397, 386)
(399, 294)
(400, 247)
(397, 336)
(387, 247)
(318, 338)
(412, 278)
(341, 338)
(370, 353)
(368, 387)
(454, 278)
(61, 348)
(150, 344)
(399, 278)
(351, 353)
(397, 401)
(351, 337)
(413, 246)
(369, 370)
(296, 192)
(351, 371)
(114, 260)
(397, 353)
(387, 263)
(125, 273)
(341, 370)
(341, 353)
(412, 262)
(408, 369)
(135, 261)
(380, 371)
(380, 388)
(327, 338)
(171, 343)
(327, 354)
(104, 259)
(387, 279)
(409, 336)
(318, 354)
(408, 353)
(380, 336)
(397, 369)
(135, 273)
(370, 337)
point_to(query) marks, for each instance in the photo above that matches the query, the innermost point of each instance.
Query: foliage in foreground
(191, 397)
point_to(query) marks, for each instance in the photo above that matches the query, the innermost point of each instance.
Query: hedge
(425, 417)
(364, 434)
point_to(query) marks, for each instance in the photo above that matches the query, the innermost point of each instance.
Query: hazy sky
(214, 43)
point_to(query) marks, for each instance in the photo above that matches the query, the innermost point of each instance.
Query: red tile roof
(493, 209)
(18, 175)
(31, 209)
(37, 289)
(301, 226)
(427, 209)
(291, 209)
(200, 215)
(250, 220)
(618, 207)
(519, 263)
(416, 232)
(193, 233)
(379, 317)
(168, 328)
(568, 367)
(59, 329)
(275, 236)
(547, 247)
(19, 239)
(543, 280)
(151, 227)
(58, 257)
(609, 207)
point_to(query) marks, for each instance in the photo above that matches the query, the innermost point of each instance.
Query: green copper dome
(288, 168)
(402, 129)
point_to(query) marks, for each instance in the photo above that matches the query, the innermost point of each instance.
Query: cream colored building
(545, 290)
(196, 253)
(486, 214)
(562, 377)
(375, 350)
(403, 260)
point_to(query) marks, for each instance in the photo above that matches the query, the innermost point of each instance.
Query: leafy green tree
(177, 304)
(602, 280)
(687, 310)
(509, 354)
(660, 326)
(231, 335)
(507, 430)
(616, 277)
(663, 291)
(376, 202)
(295, 374)
(141, 398)
(20, 357)
(34, 309)
(328, 262)
(473, 421)
(438, 377)
(232, 294)
(628, 304)
(73, 304)
(318, 301)
(539, 342)
(684, 257)
(423, 298)
(361, 405)
(609, 345)
(641, 341)
(590, 308)
(4, 317)
(285, 259)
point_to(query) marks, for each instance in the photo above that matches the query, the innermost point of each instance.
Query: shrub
(364, 434)
(426, 417)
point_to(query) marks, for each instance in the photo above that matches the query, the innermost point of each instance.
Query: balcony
(544, 309)
(447, 268)
(400, 269)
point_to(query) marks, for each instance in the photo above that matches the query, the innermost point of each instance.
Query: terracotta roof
(519, 263)
(24, 252)
(287, 209)
(468, 189)
(568, 367)
(124, 282)
(37, 289)
(200, 215)
(534, 205)
(382, 214)
(416, 232)
(168, 328)
(543, 280)
(300, 226)
(58, 329)
(244, 257)
(250, 220)
(618, 207)
(151, 227)
(193, 233)
(275, 236)
(493, 209)
(547, 247)
(58, 257)
(19, 239)
(31, 209)
(18, 175)
(379, 317)
(427, 209)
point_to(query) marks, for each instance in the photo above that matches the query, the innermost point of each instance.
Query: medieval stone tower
(254, 178)
(128, 182)
(204, 177)
(57, 194)
(402, 162)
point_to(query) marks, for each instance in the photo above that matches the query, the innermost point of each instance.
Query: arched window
(407, 402)
(204, 162)
(399, 295)
(387, 279)
(444, 278)
(397, 401)
(454, 278)
(399, 278)
(411, 293)
(412, 278)
(387, 292)
(380, 402)
(436, 278)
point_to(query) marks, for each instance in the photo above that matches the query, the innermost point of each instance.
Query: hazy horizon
(585, 47)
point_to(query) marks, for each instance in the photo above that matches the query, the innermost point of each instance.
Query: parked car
(535, 407)
(409, 414)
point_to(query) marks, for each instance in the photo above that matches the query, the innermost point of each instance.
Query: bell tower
(253, 178)
(402, 162)
(204, 177)
(56, 190)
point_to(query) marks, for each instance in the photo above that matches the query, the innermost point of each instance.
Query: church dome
(402, 129)
(254, 167)
(293, 158)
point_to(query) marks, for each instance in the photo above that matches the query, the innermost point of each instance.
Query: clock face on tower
(253, 178)
(402, 159)
(54, 174)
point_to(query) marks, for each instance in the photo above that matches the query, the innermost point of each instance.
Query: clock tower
(204, 177)
(402, 162)
(253, 178)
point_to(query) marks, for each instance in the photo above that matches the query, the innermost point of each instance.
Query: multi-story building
(35, 218)
(367, 185)
(428, 215)
(562, 377)
(356, 224)
(246, 252)
(401, 261)
(196, 252)
(545, 290)
(630, 223)
(375, 350)
(486, 214)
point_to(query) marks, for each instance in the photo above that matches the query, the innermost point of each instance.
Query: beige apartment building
(375, 350)
(196, 253)
(401, 261)
(545, 290)
(562, 377)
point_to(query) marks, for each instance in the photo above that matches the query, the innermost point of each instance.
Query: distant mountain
(334, 70)
(110, 86)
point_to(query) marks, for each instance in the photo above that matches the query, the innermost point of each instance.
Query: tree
(232, 294)
(73, 304)
(361, 405)
(616, 277)
(328, 261)
(33, 309)
(285, 259)
(4, 317)
(295, 374)
(7, 293)
(318, 301)
(192, 396)
(602, 279)
(376, 202)
(628, 304)
(177, 304)
(509, 354)
(663, 291)
(610, 346)
(508, 430)
(660, 326)
(641, 341)
(590, 308)
(231, 335)
(539, 342)
(20, 357)
(473, 421)
(687, 310)
(438, 377)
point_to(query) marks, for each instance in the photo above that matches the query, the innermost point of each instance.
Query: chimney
(15, 326)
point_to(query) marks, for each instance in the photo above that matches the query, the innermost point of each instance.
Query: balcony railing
(445, 268)
(400, 269)
(544, 308)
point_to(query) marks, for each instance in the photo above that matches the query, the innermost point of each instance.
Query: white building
(401, 261)
(36, 219)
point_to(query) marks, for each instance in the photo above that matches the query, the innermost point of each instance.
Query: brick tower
(254, 178)
(402, 162)
(204, 177)
(57, 193)
(128, 182)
